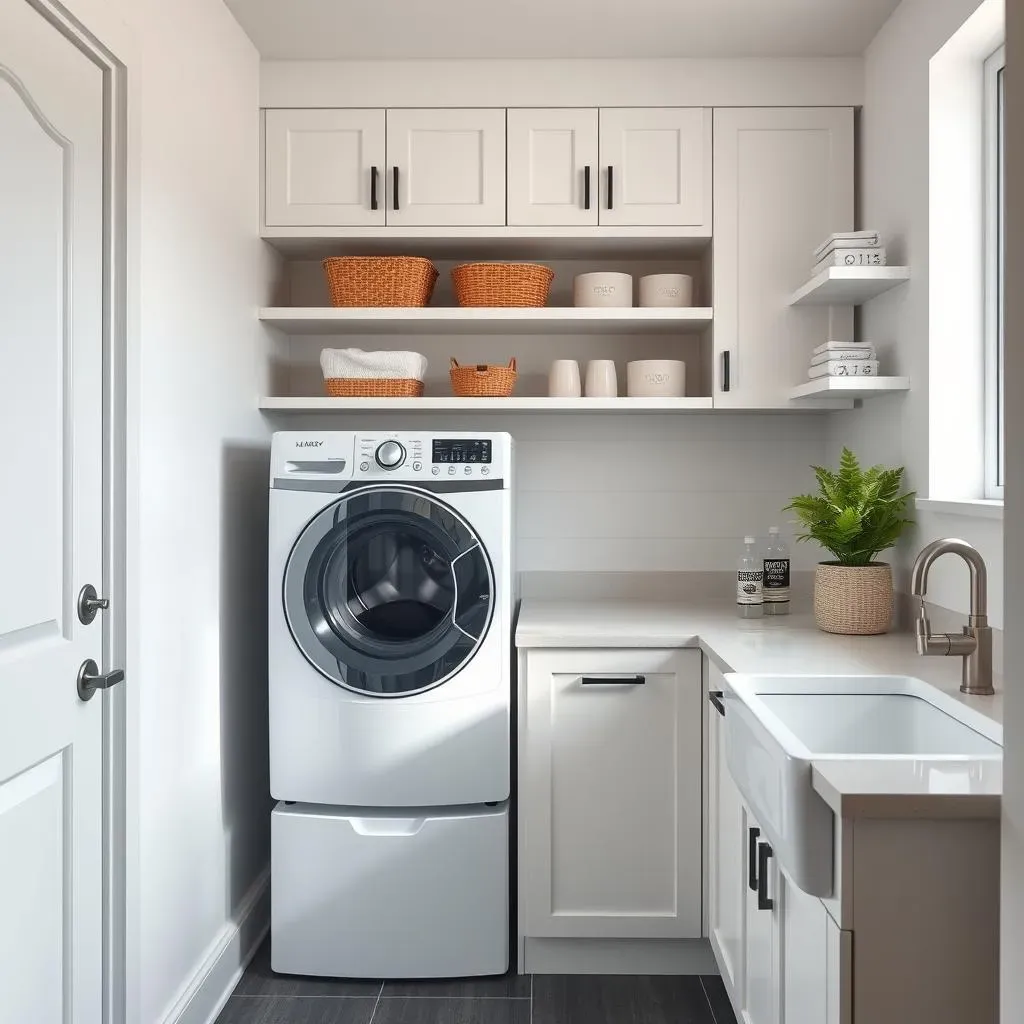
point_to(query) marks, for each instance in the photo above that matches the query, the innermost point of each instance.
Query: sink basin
(778, 727)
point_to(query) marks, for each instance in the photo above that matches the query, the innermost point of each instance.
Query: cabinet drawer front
(319, 166)
(613, 798)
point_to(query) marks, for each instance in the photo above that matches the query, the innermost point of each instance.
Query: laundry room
(518, 533)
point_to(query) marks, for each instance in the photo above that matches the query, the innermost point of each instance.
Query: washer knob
(390, 455)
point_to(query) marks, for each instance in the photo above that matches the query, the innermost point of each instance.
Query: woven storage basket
(481, 381)
(351, 387)
(855, 600)
(379, 280)
(502, 284)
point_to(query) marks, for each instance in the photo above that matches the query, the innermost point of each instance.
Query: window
(993, 218)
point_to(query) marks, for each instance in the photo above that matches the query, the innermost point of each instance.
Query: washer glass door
(388, 591)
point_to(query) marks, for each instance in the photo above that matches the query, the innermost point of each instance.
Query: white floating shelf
(848, 286)
(500, 320)
(325, 404)
(850, 387)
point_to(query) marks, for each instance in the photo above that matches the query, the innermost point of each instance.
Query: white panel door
(612, 794)
(51, 539)
(656, 167)
(802, 957)
(324, 168)
(552, 167)
(761, 990)
(727, 880)
(446, 167)
(783, 183)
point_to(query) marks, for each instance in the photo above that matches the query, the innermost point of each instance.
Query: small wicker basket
(483, 381)
(502, 284)
(378, 387)
(379, 280)
(855, 600)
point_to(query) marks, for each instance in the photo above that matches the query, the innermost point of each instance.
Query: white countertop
(793, 644)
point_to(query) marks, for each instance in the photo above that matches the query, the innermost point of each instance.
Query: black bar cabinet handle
(586, 188)
(394, 180)
(613, 680)
(752, 838)
(611, 186)
(726, 367)
(715, 696)
(373, 188)
(764, 901)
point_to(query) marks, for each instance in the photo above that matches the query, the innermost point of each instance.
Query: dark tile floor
(263, 997)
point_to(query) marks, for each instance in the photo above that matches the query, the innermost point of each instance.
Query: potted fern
(856, 514)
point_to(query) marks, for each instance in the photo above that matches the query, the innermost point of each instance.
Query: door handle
(613, 680)
(90, 679)
(373, 188)
(89, 603)
(715, 696)
(726, 370)
(764, 902)
(611, 186)
(586, 188)
(752, 838)
(394, 185)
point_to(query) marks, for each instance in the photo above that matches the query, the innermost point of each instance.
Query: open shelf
(848, 286)
(850, 387)
(325, 404)
(481, 320)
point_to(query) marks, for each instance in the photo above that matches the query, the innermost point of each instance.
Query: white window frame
(993, 270)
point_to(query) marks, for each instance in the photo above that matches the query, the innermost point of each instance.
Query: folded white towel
(843, 355)
(852, 368)
(356, 364)
(845, 346)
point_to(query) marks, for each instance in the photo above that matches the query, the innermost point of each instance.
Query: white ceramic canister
(564, 379)
(666, 290)
(656, 378)
(601, 379)
(602, 289)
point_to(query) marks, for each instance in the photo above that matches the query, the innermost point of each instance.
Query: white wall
(894, 158)
(1012, 897)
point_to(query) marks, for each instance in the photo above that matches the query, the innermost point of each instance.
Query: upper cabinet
(656, 166)
(783, 182)
(324, 167)
(446, 167)
(552, 167)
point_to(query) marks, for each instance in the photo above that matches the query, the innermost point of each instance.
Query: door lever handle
(90, 679)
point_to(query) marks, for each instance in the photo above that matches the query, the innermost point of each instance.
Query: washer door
(388, 591)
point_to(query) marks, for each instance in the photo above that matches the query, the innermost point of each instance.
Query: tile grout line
(704, 989)
(531, 999)
(373, 1012)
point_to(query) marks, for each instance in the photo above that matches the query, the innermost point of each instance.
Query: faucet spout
(975, 563)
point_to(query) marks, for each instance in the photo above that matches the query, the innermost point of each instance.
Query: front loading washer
(389, 668)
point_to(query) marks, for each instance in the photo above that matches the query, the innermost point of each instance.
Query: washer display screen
(462, 450)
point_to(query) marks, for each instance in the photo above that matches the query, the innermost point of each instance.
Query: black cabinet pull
(394, 185)
(373, 188)
(752, 838)
(613, 680)
(726, 368)
(611, 186)
(586, 188)
(764, 901)
(715, 696)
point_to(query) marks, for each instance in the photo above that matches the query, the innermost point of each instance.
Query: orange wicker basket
(379, 280)
(482, 381)
(502, 284)
(350, 387)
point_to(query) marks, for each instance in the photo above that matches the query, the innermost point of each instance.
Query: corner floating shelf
(848, 286)
(324, 404)
(500, 320)
(850, 387)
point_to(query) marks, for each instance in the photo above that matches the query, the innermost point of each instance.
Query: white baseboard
(203, 996)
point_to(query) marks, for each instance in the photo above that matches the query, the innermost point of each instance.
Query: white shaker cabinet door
(612, 794)
(760, 953)
(804, 978)
(783, 183)
(446, 167)
(726, 877)
(552, 167)
(656, 167)
(324, 168)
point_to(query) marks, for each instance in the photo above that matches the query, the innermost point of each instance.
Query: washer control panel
(438, 457)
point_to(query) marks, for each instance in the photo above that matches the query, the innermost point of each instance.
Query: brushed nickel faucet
(974, 645)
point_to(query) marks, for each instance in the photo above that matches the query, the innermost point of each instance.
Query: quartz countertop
(793, 644)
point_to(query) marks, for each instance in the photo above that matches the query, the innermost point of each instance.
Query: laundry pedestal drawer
(401, 893)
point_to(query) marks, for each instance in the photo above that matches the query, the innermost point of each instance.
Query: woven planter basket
(378, 387)
(379, 280)
(502, 284)
(482, 381)
(855, 600)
